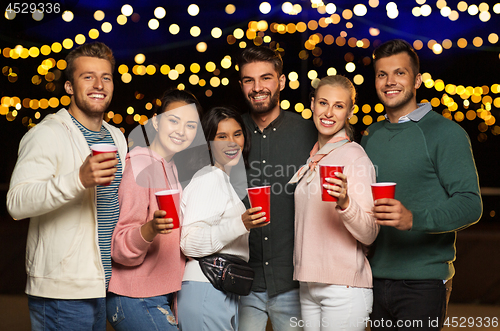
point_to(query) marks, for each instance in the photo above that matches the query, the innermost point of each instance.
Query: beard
(395, 104)
(261, 107)
(90, 110)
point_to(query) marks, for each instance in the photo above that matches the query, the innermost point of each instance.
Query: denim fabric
(135, 314)
(204, 308)
(409, 304)
(334, 307)
(283, 310)
(60, 315)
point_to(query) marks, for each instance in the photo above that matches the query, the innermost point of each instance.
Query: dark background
(477, 266)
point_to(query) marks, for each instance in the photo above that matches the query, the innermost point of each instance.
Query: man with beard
(437, 194)
(71, 198)
(281, 142)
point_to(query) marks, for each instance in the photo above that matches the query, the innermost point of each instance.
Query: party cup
(328, 171)
(168, 201)
(383, 190)
(104, 148)
(261, 197)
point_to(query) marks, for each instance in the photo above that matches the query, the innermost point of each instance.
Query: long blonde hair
(344, 82)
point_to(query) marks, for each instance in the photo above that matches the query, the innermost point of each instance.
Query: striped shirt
(107, 199)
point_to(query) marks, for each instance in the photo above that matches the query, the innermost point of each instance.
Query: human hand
(251, 219)
(158, 225)
(98, 169)
(338, 190)
(391, 212)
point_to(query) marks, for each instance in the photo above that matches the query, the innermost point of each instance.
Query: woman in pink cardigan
(147, 261)
(331, 237)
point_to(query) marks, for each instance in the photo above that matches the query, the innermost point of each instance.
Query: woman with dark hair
(215, 221)
(148, 263)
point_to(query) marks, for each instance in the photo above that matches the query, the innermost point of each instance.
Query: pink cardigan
(140, 268)
(330, 244)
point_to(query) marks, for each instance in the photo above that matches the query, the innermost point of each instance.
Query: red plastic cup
(168, 201)
(104, 148)
(328, 171)
(383, 190)
(261, 197)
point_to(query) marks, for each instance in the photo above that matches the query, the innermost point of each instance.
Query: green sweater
(431, 161)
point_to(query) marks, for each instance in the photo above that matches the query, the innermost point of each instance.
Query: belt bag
(227, 273)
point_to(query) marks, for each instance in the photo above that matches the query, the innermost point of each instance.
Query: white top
(212, 220)
(62, 251)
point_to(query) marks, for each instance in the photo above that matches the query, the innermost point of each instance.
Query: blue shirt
(107, 198)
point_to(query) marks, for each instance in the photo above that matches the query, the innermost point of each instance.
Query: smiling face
(261, 86)
(228, 144)
(331, 107)
(396, 84)
(176, 128)
(92, 87)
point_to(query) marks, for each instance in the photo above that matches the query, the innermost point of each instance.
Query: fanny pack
(227, 273)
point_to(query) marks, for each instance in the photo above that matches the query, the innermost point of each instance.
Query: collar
(273, 125)
(416, 115)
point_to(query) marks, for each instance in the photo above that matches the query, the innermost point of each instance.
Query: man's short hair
(261, 54)
(96, 49)
(396, 46)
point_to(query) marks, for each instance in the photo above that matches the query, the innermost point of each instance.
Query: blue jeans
(204, 308)
(283, 310)
(135, 314)
(409, 304)
(75, 315)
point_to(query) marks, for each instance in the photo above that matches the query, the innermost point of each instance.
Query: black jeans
(409, 304)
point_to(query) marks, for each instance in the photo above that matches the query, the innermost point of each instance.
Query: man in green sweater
(437, 194)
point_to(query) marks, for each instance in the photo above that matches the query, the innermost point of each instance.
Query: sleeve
(36, 186)
(206, 201)
(358, 217)
(128, 247)
(456, 170)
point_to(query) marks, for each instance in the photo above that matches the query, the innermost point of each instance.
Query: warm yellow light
(34, 51)
(358, 79)
(195, 31)
(294, 84)
(216, 33)
(180, 68)
(165, 69)
(160, 12)
(201, 47)
(226, 63)
(374, 32)
(80, 39)
(265, 8)
(194, 79)
(140, 58)
(473, 10)
(68, 16)
(477, 41)
(195, 68)
(121, 19)
(350, 67)
(453, 15)
(174, 29)
(437, 48)
(462, 6)
(45, 50)
(94, 34)
(366, 109)
(484, 16)
(238, 33)
(462, 43)
(99, 15)
(153, 24)
(367, 120)
(150, 69)
(230, 9)
(56, 47)
(210, 67)
(312, 74)
(359, 10)
(193, 10)
(331, 71)
(127, 10)
(173, 74)
(299, 107)
(67, 43)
